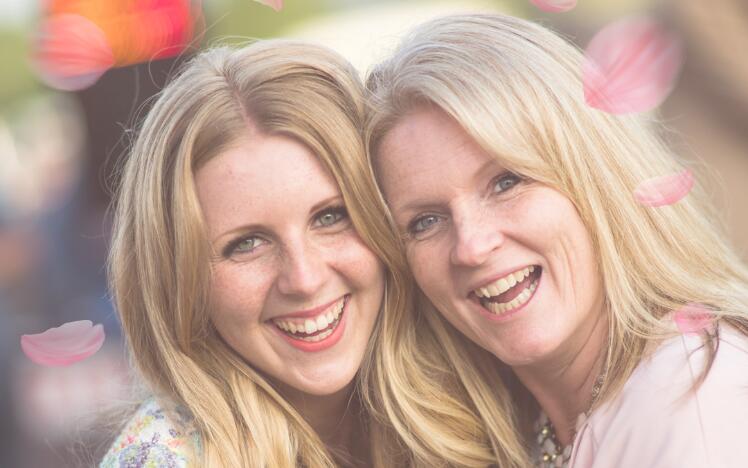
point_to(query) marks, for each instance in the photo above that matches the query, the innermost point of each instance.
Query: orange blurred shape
(133, 31)
(72, 52)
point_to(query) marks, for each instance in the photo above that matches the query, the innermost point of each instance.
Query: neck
(562, 384)
(334, 417)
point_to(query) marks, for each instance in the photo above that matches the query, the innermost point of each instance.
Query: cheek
(555, 229)
(360, 266)
(430, 269)
(237, 294)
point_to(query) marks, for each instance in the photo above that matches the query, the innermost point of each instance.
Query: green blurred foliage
(227, 21)
(236, 21)
(17, 80)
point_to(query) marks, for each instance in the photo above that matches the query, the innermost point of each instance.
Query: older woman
(514, 202)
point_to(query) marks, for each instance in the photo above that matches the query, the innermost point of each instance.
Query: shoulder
(153, 439)
(668, 378)
(660, 414)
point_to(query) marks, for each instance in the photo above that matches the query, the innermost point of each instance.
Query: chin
(327, 381)
(524, 351)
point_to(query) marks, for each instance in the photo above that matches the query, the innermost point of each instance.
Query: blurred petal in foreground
(276, 5)
(630, 66)
(72, 52)
(664, 190)
(64, 345)
(555, 6)
(692, 318)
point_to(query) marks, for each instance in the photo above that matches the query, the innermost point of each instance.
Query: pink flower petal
(72, 52)
(276, 5)
(664, 190)
(555, 6)
(692, 318)
(64, 345)
(630, 66)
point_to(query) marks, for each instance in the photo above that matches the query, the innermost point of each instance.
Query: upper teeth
(503, 285)
(312, 324)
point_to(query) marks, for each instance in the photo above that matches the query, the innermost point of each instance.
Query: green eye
(328, 219)
(331, 216)
(244, 245)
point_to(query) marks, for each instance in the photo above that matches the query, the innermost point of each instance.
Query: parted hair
(160, 274)
(159, 268)
(515, 87)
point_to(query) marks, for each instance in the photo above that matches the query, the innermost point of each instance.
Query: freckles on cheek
(235, 298)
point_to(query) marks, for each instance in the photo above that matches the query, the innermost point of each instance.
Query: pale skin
(283, 244)
(468, 221)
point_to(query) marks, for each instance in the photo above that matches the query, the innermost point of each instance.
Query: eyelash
(497, 180)
(340, 211)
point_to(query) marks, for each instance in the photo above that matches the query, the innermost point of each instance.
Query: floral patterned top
(150, 440)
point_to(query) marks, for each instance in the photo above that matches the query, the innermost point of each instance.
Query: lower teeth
(502, 307)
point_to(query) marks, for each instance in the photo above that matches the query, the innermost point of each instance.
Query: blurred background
(61, 136)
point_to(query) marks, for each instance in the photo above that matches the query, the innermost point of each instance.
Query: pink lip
(321, 345)
(307, 313)
(485, 283)
(506, 315)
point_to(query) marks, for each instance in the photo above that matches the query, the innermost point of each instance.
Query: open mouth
(510, 292)
(313, 329)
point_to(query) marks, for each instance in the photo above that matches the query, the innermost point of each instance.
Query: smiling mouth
(316, 328)
(510, 292)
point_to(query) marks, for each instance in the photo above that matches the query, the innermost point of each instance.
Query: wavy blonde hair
(515, 88)
(159, 266)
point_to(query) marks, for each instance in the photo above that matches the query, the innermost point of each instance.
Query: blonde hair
(515, 88)
(159, 266)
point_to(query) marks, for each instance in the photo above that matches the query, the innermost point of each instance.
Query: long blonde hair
(159, 266)
(515, 88)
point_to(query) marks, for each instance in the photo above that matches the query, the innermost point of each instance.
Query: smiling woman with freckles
(514, 204)
(256, 280)
(243, 267)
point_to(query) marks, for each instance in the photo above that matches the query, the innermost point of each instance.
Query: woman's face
(294, 289)
(507, 261)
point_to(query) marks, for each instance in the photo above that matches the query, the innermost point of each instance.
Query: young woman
(247, 292)
(514, 201)
(255, 277)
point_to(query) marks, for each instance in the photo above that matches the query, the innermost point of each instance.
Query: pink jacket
(657, 422)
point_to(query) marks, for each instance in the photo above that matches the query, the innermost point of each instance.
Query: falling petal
(276, 5)
(692, 318)
(630, 66)
(137, 30)
(64, 345)
(664, 190)
(555, 6)
(72, 52)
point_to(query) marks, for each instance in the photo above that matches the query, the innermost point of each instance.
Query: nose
(477, 235)
(303, 272)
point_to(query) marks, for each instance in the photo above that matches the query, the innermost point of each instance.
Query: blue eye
(506, 181)
(423, 223)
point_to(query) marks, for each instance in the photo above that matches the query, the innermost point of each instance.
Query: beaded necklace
(551, 453)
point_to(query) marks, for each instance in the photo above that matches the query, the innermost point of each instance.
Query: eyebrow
(419, 204)
(255, 226)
